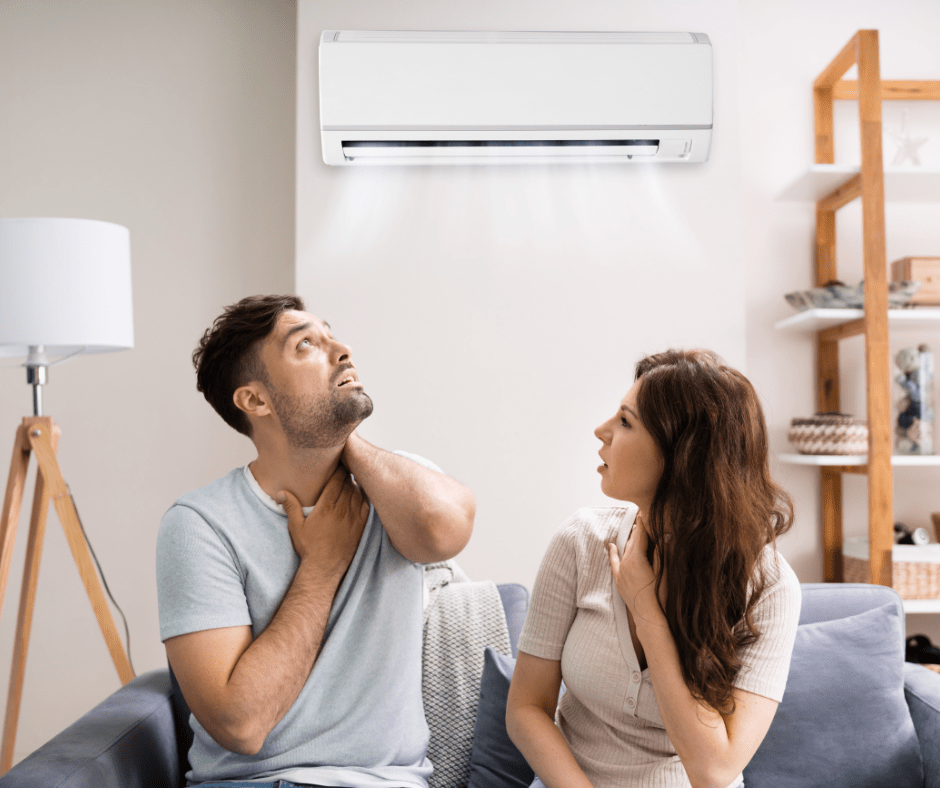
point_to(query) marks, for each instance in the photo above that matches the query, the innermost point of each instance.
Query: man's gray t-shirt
(225, 559)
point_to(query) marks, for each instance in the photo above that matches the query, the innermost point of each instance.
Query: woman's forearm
(544, 747)
(697, 731)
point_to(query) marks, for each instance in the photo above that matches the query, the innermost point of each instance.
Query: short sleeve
(199, 583)
(554, 598)
(776, 616)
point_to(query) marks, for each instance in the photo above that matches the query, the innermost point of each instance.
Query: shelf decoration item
(915, 569)
(924, 269)
(913, 430)
(919, 650)
(907, 145)
(838, 295)
(829, 433)
(935, 519)
(905, 535)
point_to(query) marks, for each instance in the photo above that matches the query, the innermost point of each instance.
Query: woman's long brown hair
(717, 499)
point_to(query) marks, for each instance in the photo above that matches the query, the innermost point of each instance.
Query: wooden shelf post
(861, 50)
(877, 349)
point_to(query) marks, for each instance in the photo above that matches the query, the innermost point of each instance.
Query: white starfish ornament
(907, 145)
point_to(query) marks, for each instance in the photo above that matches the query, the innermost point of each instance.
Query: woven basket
(829, 433)
(915, 569)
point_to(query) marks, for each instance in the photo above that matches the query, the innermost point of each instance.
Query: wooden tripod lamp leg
(40, 438)
(24, 620)
(10, 515)
(9, 518)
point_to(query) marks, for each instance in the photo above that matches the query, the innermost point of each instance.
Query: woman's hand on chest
(635, 577)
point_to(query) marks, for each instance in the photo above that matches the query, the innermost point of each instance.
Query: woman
(675, 654)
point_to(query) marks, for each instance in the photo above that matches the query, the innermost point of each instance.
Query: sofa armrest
(126, 741)
(922, 692)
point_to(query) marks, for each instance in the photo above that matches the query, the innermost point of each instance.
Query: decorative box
(915, 569)
(829, 433)
(924, 269)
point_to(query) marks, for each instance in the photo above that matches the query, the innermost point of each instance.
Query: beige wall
(177, 121)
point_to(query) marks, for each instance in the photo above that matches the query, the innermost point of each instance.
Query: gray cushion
(843, 721)
(494, 760)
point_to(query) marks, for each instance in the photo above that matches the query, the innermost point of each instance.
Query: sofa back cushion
(829, 601)
(495, 762)
(843, 721)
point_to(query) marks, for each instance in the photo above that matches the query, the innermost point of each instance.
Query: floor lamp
(65, 289)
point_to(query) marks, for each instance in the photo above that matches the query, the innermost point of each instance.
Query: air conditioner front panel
(389, 85)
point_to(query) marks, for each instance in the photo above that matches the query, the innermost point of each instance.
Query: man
(291, 589)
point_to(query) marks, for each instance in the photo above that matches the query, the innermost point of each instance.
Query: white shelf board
(921, 606)
(813, 320)
(857, 459)
(902, 184)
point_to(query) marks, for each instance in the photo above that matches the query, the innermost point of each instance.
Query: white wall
(496, 313)
(177, 121)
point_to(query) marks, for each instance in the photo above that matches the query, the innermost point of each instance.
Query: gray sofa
(138, 737)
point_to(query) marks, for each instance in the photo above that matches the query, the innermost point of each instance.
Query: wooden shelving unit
(832, 187)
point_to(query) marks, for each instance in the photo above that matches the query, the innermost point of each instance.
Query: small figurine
(914, 425)
(905, 535)
(907, 145)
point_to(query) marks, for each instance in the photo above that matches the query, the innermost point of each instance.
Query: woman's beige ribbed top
(609, 714)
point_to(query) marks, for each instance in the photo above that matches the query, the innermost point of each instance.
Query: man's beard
(323, 423)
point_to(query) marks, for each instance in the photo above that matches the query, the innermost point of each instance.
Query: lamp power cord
(104, 581)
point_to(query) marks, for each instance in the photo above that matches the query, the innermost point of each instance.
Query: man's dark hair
(228, 353)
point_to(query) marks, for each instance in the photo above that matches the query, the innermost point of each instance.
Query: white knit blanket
(461, 619)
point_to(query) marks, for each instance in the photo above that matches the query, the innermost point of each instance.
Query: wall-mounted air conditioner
(482, 98)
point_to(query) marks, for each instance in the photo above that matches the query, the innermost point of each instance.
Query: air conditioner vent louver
(519, 151)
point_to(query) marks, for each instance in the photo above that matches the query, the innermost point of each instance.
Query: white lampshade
(65, 284)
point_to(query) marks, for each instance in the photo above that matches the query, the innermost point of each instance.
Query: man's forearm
(428, 515)
(271, 672)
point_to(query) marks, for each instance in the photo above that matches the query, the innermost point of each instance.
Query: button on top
(635, 677)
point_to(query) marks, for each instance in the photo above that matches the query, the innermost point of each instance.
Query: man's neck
(302, 472)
